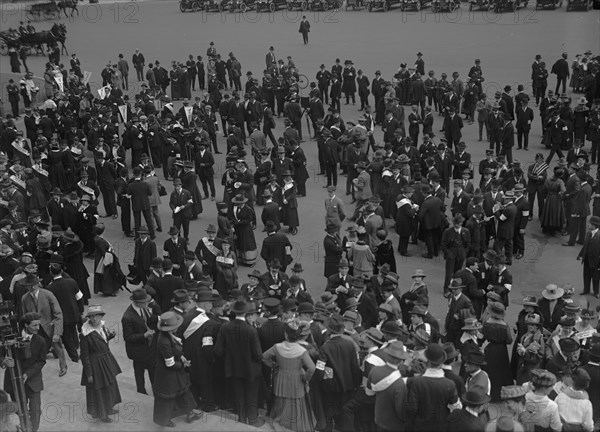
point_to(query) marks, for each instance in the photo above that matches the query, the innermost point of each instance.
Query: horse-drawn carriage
(34, 42)
(43, 11)
(584, 5)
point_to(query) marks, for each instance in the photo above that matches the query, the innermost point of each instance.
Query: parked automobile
(510, 5)
(414, 4)
(297, 4)
(270, 5)
(355, 4)
(381, 4)
(324, 4)
(240, 5)
(483, 5)
(584, 5)
(193, 5)
(444, 5)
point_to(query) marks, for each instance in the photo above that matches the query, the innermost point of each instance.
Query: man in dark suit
(524, 119)
(275, 277)
(120, 186)
(452, 128)
(430, 219)
(521, 220)
(506, 215)
(175, 248)
(580, 210)
(557, 133)
(443, 162)
(507, 138)
(304, 29)
(454, 245)
(144, 253)
(107, 177)
(181, 203)
(561, 69)
(276, 246)
(70, 300)
(405, 219)
(367, 304)
(507, 103)
(460, 308)
(460, 201)
(295, 293)
(139, 192)
(270, 211)
(31, 368)
(192, 270)
(139, 324)
(590, 257)
(239, 348)
(336, 92)
(166, 285)
(204, 162)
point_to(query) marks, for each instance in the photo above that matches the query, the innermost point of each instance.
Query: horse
(63, 5)
(58, 33)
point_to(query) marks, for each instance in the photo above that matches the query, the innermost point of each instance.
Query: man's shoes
(406, 254)
(259, 422)
(106, 420)
(62, 372)
(159, 229)
(113, 411)
(193, 416)
(218, 152)
(530, 218)
(518, 256)
(212, 198)
(427, 256)
(129, 234)
(568, 244)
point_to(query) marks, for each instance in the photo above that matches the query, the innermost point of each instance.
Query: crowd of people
(362, 355)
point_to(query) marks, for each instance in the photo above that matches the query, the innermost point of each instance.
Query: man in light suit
(362, 185)
(334, 209)
(44, 303)
(31, 367)
(152, 180)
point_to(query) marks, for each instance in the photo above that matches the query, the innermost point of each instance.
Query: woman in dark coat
(384, 252)
(58, 177)
(289, 212)
(37, 197)
(71, 248)
(553, 214)
(104, 282)
(300, 172)
(529, 306)
(416, 294)
(189, 181)
(498, 335)
(100, 368)
(244, 221)
(171, 387)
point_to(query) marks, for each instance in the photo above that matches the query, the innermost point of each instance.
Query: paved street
(505, 44)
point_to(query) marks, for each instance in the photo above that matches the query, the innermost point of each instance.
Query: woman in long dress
(100, 368)
(530, 349)
(171, 387)
(498, 336)
(553, 214)
(226, 270)
(293, 370)
(71, 249)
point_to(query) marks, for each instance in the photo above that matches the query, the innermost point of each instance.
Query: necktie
(35, 300)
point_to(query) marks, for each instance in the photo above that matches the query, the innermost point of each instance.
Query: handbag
(162, 191)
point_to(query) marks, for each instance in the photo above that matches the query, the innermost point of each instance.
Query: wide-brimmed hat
(351, 316)
(513, 392)
(587, 314)
(419, 273)
(169, 321)
(472, 324)
(542, 378)
(173, 231)
(435, 353)
(391, 327)
(474, 398)
(504, 424)
(552, 292)
(490, 255)
(351, 303)
(239, 199)
(418, 310)
(530, 301)
(475, 358)
(139, 295)
(68, 235)
(297, 268)
(94, 310)
(455, 284)
(397, 350)
(328, 298)
(374, 335)
(497, 308)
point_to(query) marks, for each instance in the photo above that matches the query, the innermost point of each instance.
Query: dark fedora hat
(180, 296)
(450, 350)
(306, 308)
(239, 307)
(474, 398)
(139, 295)
(475, 358)
(435, 353)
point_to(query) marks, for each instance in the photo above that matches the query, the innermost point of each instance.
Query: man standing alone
(304, 29)
(138, 61)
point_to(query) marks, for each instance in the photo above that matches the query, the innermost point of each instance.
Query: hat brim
(148, 298)
(89, 314)
(171, 327)
(559, 293)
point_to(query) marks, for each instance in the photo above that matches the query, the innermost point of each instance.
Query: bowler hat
(173, 231)
(203, 295)
(169, 321)
(156, 263)
(450, 350)
(306, 308)
(568, 345)
(56, 259)
(94, 310)
(435, 354)
(595, 221)
(335, 324)
(240, 307)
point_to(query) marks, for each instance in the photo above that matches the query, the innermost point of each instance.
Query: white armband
(526, 213)
(320, 365)
(78, 296)
(170, 362)
(502, 218)
(508, 286)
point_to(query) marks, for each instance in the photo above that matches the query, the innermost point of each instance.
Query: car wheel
(304, 6)
(451, 7)
(418, 5)
(195, 7)
(181, 7)
(386, 6)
